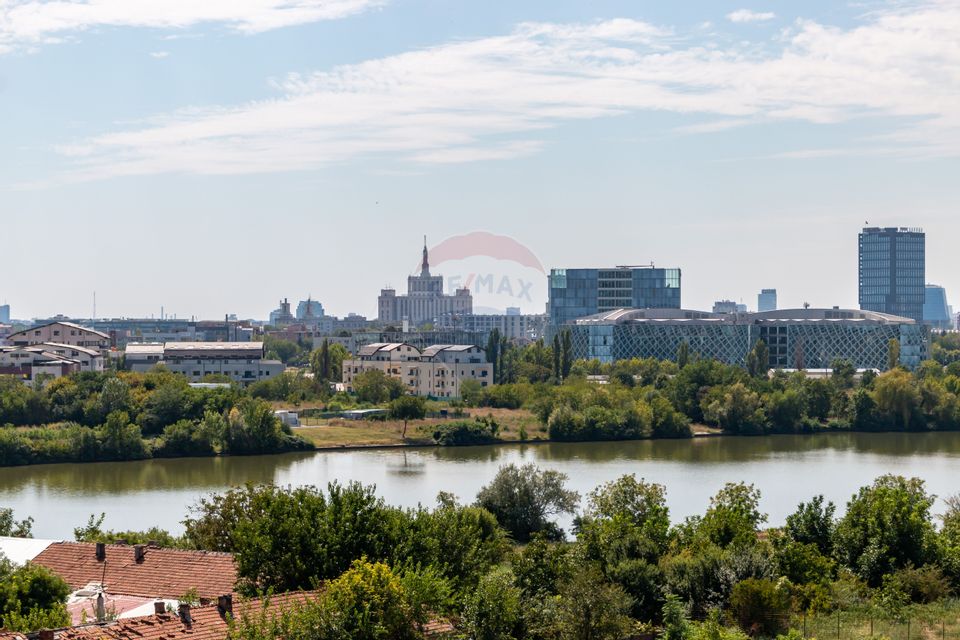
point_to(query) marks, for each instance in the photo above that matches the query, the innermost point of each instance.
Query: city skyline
(309, 147)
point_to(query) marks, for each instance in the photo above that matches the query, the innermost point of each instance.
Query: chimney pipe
(101, 608)
(101, 552)
(139, 552)
(184, 611)
(225, 605)
(159, 607)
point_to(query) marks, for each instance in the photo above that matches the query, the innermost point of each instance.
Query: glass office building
(892, 265)
(795, 338)
(936, 311)
(577, 293)
(767, 300)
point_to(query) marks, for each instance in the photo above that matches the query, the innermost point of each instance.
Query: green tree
(120, 440)
(843, 373)
(371, 603)
(897, 399)
(320, 362)
(591, 608)
(683, 354)
(758, 360)
(557, 359)
(566, 361)
(471, 392)
(887, 527)
(288, 539)
(813, 523)
(31, 597)
(676, 623)
(525, 498)
(376, 387)
(893, 354)
(493, 611)
(12, 528)
(408, 408)
(493, 353)
(734, 515)
(641, 503)
(760, 606)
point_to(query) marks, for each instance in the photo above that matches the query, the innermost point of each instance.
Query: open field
(337, 432)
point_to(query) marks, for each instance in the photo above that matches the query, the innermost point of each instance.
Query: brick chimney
(139, 552)
(159, 607)
(101, 552)
(225, 605)
(184, 611)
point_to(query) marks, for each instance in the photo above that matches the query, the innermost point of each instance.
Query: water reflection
(786, 468)
(123, 477)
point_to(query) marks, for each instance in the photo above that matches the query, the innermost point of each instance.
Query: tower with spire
(425, 265)
(425, 300)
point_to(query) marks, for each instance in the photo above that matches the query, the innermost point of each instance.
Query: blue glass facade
(936, 311)
(577, 293)
(892, 271)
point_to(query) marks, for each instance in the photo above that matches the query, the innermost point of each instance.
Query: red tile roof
(207, 623)
(163, 573)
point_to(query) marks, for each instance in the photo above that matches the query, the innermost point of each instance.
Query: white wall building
(61, 333)
(48, 360)
(243, 362)
(438, 371)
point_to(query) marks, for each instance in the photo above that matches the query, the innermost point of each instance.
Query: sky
(213, 157)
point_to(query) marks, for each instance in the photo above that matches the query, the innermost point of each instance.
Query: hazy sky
(213, 156)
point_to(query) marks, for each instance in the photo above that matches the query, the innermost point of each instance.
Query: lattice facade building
(797, 338)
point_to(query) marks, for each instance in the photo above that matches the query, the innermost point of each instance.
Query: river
(787, 469)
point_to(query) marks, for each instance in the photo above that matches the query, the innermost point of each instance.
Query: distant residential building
(282, 314)
(28, 362)
(424, 301)
(243, 362)
(437, 371)
(767, 300)
(4, 314)
(578, 293)
(936, 311)
(892, 271)
(309, 309)
(60, 332)
(796, 338)
(513, 326)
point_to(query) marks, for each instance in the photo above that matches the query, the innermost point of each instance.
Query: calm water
(787, 469)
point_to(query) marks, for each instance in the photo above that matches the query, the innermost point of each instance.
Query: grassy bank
(515, 425)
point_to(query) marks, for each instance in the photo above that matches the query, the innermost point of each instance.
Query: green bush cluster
(480, 430)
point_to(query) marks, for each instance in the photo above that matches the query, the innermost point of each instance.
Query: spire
(425, 267)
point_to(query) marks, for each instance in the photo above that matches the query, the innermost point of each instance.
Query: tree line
(500, 567)
(130, 416)
(661, 398)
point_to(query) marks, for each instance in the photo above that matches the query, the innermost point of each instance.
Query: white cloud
(27, 23)
(159, 55)
(472, 100)
(746, 15)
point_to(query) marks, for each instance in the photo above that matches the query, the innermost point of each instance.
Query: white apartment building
(243, 362)
(66, 333)
(438, 371)
(51, 359)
